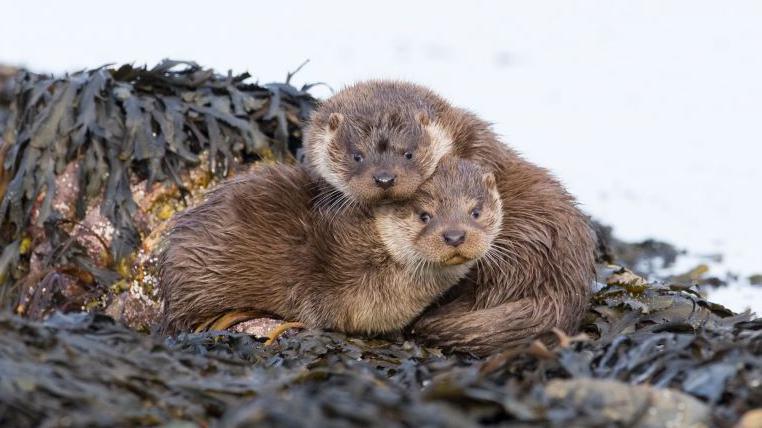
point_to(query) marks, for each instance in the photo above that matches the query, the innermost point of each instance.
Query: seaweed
(671, 360)
(126, 127)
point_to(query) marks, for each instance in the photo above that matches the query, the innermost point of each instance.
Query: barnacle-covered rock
(94, 164)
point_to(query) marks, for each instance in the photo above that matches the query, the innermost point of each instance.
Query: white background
(649, 111)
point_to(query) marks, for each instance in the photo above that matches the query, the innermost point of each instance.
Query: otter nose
(454, 237)
(384, 180)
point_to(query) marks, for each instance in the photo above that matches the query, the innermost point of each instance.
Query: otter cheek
(483, 246)
(406, 186)
(361, 188)
(478, 249)
(474, 247)
(431, 248)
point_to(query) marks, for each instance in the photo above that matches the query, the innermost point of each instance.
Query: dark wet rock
(698, 275)
(755, 279)
(638, 406)
(7, 94)
(645, 258)
(134, 309)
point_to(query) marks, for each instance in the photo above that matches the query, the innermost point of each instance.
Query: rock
(258, 327)
(751, 419)
(134, 309)
(638, 406)
(755, 279)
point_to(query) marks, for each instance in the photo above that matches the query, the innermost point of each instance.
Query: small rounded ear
(334, 120)
(423, 118)
(489, 180)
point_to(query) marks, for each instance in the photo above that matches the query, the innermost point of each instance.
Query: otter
(378, 141)
(277, 243)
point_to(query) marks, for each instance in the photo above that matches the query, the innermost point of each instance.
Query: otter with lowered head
(377, 141)
(267, 243)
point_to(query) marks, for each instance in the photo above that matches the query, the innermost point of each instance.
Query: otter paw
(225, 321)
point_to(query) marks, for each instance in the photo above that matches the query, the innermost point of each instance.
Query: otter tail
(511, 325)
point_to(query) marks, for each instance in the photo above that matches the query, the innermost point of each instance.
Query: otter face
(452, 220)
(373, 158)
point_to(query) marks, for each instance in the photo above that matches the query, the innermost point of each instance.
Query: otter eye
(357, 157)
(408, 155)
(476, 213)
(425, 217)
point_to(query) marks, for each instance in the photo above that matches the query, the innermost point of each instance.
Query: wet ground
(651, 356)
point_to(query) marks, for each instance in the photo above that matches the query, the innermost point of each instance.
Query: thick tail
(457, 327)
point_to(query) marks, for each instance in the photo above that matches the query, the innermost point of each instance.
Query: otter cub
(379, 140)
(263, 243)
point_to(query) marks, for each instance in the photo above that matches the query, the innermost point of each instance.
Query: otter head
(452, 219)
(375, 156)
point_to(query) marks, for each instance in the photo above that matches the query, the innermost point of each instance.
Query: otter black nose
(454, 237)
(384, 180)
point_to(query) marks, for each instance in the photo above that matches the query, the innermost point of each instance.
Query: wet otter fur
(396, 132)
(273, 243)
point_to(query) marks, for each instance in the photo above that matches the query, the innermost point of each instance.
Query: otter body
(541, 266)
(275, 243)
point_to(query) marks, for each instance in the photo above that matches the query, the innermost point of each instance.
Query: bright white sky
(650, 111)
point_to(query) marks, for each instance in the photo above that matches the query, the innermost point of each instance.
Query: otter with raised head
(268, 243)
(379, 140)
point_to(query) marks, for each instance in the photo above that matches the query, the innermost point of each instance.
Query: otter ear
(489, 180)
(423, 118)
(334, 120)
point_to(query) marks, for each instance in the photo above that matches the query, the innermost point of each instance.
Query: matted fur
(541, 267)
(275, 242)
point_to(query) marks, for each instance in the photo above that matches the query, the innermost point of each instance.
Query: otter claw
(276, 332)
(225, 321)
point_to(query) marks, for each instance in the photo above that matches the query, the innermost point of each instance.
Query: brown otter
(378, 140)
(268, 243)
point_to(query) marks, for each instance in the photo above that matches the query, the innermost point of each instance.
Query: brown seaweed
(661, 357)
(125, 127)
